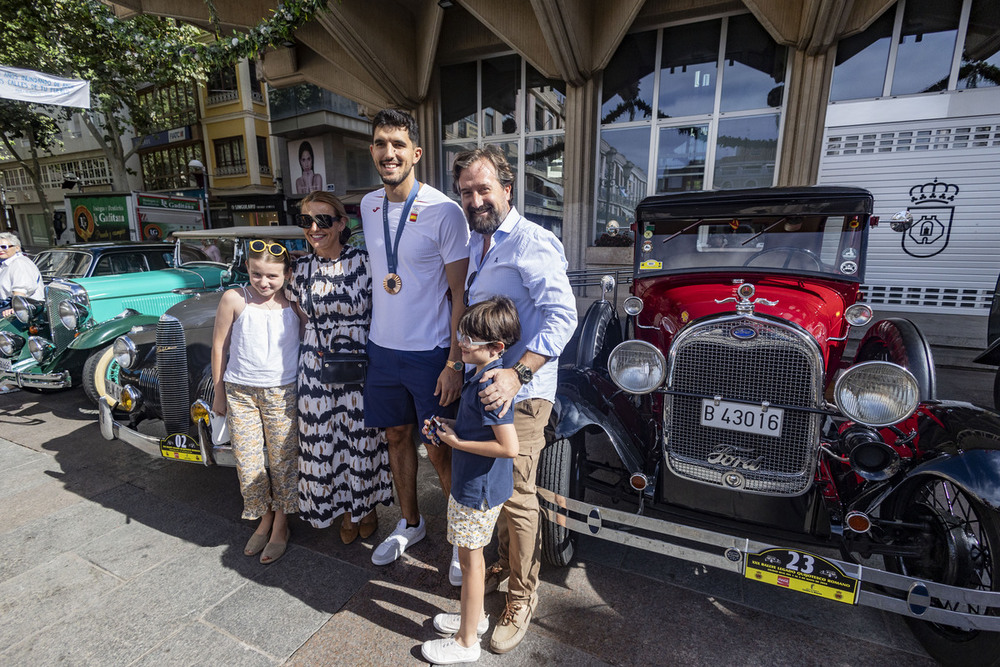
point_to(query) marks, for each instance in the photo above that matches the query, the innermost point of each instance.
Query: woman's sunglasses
(275, 249)
(322, 220)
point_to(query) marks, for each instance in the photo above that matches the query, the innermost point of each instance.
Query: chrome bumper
(114, 430)
(730, 553)
(59, 380)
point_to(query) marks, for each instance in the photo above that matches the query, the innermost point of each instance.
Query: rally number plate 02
(802, 571)
(742, 417)
(180, 447)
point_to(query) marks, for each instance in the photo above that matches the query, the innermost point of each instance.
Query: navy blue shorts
(399, 387)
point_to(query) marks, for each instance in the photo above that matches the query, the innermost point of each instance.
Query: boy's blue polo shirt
(476, 478)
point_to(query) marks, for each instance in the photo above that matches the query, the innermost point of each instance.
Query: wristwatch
(456, 366)
(524, 374)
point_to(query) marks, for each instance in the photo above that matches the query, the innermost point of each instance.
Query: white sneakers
(401, 538)
(449, 624)
(449, 652)
(455, 569)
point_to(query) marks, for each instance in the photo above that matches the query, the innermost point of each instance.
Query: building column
(579, 167)
(805, 118)
(427, 116)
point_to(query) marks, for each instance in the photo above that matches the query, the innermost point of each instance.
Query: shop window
(860, 67)
(745, 152)
(926, 46)
(680, 158)
(627, 93)
(458, 101)
(981, 55)
(689, 69)
(754, 67)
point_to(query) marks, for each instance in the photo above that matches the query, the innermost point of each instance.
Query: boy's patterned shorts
(471, 528)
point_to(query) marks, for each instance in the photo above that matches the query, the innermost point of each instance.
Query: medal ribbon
(392, 251)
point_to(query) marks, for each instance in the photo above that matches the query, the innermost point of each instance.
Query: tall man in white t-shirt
(417, 241)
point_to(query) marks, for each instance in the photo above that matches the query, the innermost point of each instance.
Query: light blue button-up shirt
(526, 263)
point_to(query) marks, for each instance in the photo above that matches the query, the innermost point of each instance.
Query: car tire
(558, 471)
(964, 543)
(94, 373)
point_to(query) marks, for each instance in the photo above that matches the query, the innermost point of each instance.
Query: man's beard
(397, 179)
(483, 225)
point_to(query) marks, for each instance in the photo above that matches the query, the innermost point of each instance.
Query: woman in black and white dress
(343, 466)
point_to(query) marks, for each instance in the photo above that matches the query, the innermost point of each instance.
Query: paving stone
(13, 455)
(133, 549)
(48, 593)
(200, 644)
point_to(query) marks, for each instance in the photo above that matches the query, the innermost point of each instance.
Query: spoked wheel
(964, 544)
(560, 471)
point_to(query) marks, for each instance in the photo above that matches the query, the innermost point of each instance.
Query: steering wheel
(791, 252)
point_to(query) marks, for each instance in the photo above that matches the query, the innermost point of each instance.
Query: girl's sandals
(255, 544)
(349, 530)
(275, 550)
(368, 525)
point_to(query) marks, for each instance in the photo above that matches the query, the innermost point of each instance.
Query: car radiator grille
(171, 366)
(780, 365)
(61, 336)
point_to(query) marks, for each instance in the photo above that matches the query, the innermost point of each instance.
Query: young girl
(483, 445)
(255, 351)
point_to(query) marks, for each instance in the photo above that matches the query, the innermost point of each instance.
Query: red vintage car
(723, 421)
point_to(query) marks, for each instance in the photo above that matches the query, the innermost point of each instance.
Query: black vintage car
(84, 260)
(991, 356)
(721, 421)
(157, 391)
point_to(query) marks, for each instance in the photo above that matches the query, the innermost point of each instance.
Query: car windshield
(61, 263)
(831, 246)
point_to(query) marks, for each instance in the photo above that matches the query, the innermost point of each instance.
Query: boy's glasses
(275, 249)
(322, 220)
(465, 340)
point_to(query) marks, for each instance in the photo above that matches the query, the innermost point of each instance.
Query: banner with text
(29, 86)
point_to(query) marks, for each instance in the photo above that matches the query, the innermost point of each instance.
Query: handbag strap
(328, 345)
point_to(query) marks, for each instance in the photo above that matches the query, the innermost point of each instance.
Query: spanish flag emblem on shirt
(413, 217)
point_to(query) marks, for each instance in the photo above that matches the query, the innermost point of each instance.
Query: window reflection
(622, 177)
(981, 55)
(754, 70)
(688, 69)
(450, 152)
(458, 101)
(501, 87)
(680, 162)
(745, 152)
(628, 80)
(543, 182)
(926, 46)
(545, 104)
(859, 70)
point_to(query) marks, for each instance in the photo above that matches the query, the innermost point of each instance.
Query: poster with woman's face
(305, 160)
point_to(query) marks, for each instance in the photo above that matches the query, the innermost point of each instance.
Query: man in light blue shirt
(516, 258)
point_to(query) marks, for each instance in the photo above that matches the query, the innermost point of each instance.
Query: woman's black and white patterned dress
(343, 466)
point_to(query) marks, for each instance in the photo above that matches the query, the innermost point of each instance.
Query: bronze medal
(392, 283)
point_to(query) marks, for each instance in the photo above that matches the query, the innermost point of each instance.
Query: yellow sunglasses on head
(276, 249)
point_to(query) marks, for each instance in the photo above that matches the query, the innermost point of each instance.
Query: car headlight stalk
(637, 367)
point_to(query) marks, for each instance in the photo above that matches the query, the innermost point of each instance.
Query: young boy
(483, 447)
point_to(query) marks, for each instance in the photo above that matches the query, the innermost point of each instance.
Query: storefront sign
(100, 218)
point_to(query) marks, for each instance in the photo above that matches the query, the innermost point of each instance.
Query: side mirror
(901, 221)
(607, 286)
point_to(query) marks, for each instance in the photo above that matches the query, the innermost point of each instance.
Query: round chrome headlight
(23, 309)
(877, 393)
(70, 314)
(632, 305)
(10, 345)
(637, 367)
(858, 314)
(124, 351)
(40, 348)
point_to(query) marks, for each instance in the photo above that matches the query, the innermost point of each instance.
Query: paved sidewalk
(110, 557)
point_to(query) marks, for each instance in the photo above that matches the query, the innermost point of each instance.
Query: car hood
(148, 282)
(817, 306)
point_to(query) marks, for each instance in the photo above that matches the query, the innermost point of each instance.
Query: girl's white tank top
(263, 347)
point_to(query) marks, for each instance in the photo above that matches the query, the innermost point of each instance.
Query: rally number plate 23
(802, 571)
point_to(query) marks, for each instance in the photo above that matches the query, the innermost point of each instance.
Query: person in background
(309, 180)
(255, 352)
(211, 250)
(483, 445)
(343, 466)
(514, 257)
(18, 275)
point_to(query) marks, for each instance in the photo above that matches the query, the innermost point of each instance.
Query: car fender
(961, 442)
(580, 403)
(900, 341)
(106, 332)
(991, 355)
(599, 332)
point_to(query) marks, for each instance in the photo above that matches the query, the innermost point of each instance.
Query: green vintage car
(59, 344)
